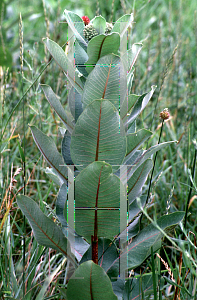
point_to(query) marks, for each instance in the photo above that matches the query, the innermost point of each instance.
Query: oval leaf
(97, 199)
(104, 81)
(98, 135)
(90, 282)
(100, 46)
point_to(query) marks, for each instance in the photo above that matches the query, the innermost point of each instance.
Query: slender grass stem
(148, 194)
(190, 190)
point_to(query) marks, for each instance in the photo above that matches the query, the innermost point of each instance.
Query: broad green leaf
(100, 46)
(62, 60)
(57, 106)
(104, 81)
(135, 140)
(138, 250)
(107, 253)
(99, 23)
(46, 232)
(127, 105)
(90, 282)
(98, 136)
(48, 149)
(122, 24)
(147, 154)
(97, 197)
(140, 105)
(137, 180)
(77, 26)
(75, 104)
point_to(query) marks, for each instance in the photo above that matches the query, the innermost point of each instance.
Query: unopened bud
(164, 115)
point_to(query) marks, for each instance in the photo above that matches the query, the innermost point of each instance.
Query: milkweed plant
(102, 167)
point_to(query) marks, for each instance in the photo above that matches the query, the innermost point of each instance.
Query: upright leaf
(137, 180)
(100, 46)
(77, 25)
(147, 154)
(99, 23)
(64, 63)
(90, 282)
(140, 105)
(48, 149)
(98, 136)
(46, 232)
(104, 81)
(97, 201)
(122, 24)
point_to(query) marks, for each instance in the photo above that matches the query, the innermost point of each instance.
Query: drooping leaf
(57, 106)
(138, 250)
(98, 136)
(137, 180)
(90, 282)
(46, 232)
(99, 23)
(107, 253)
(100, 46)
(77, 26)
(104, 81)
(64, 63)
(97, 199)
(75, 104)
(144, 156)
(122, 24)
(140, 105)
(48, 149)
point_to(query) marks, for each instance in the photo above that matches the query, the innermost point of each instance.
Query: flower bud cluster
(89, 30)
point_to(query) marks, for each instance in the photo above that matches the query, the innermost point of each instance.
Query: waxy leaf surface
(90, 282)
(106, 81)
(100, 46)
(98, 136)
(97, 200)
(46, 232)
(48, 149)
(138, 250)
(57, 106)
